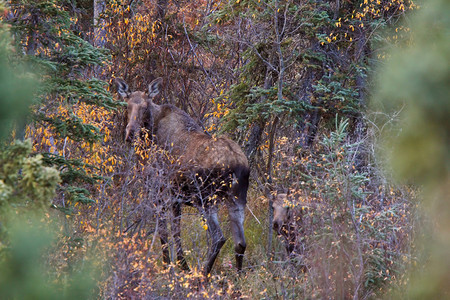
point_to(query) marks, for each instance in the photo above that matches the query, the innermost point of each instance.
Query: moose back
(211, 171)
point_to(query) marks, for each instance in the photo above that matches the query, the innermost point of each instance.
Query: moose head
(280, 212)
(288, 221)
(140, 106)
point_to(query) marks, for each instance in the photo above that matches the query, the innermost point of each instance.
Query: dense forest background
(341, 104)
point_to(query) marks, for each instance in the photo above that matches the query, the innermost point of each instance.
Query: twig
(196, 57)
(253, 215)
(154, 234)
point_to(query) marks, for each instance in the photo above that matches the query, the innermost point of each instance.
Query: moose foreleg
(176, 230)
(217, 238)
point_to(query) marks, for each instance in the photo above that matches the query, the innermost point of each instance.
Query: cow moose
(210, 170)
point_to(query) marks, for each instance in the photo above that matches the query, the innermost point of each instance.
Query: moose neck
(152, 115)
(174, 129)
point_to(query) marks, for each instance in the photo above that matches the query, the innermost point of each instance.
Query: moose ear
(122, 88)
(153, 87)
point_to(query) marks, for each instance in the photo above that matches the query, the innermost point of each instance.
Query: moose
(287, 222)
(210, 170)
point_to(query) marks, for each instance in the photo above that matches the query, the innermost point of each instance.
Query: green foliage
(25, 181)
(74, 128)
(16, 86)
(315, 70)
(25, 272)
(27, 187)
(72, 171)
(22, 274)
(415, 82)
(336, 98)
(91, 91)
(259, 105)
(414, 87)
(45, 31)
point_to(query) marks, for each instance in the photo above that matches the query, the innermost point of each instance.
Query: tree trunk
(361, 54)
(257, 129)
(269, 186)
(99, 31)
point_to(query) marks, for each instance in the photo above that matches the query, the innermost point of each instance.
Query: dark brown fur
(208, 167)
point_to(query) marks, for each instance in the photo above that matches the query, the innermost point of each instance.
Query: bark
(269, 186)
(308, 125)
(99, 32)
(254, 141)
(257, 129)
(361, 49)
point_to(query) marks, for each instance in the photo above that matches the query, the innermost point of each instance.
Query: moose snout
(278, 225)
(130, 132)
(280, 217)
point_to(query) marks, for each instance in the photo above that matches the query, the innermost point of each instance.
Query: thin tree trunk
(361, 49)
(269, 186)
(256, 132)
(99, 31)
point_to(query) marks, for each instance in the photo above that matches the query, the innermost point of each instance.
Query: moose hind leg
(176, 228)
(236, 215)
(217, 238)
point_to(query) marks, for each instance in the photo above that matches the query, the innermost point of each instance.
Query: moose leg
(217, 238)
(176, 229)
(236, 215)
(163, 236)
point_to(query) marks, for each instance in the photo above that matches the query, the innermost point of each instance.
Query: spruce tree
(45, 35)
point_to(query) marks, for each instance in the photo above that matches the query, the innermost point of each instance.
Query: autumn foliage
(290, 81)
